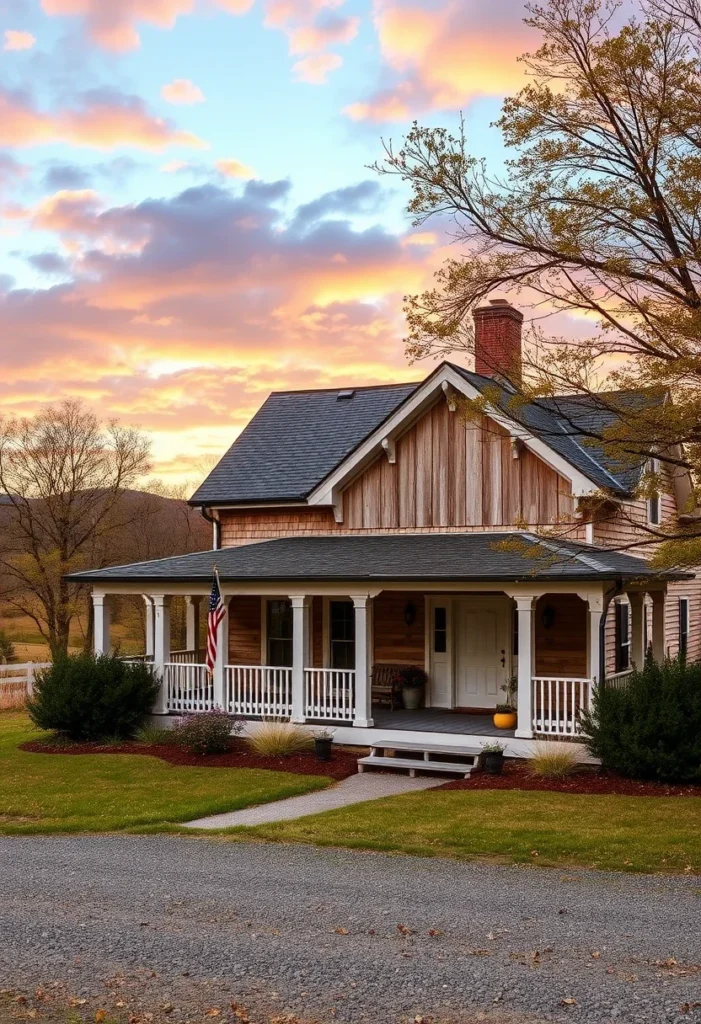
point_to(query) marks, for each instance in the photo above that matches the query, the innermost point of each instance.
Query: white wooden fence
(329, 693)
(619, 680)
(17, 682)
(258, 690)
(188, 687)
(558, 704)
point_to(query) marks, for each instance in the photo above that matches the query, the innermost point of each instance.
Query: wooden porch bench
(383, 685)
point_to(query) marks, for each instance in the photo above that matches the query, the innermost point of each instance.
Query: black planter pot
(322, 749)
(493, 763)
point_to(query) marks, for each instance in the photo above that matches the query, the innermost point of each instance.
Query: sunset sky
(188, 221)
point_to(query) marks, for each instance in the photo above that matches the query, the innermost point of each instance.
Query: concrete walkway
(355, 789)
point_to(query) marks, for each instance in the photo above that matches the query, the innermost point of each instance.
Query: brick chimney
(498, 341)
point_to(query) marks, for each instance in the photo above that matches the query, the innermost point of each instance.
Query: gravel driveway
(352, 937)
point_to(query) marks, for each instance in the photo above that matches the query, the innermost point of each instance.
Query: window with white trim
(653, 502)
(622, 636)
(683, 626)
(342, 634)
(279, 633)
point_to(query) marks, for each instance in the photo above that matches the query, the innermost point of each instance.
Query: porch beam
(300, 653)
(192, 622)
(658, 624)
(161, 647)
(637, 629)
(363, 655)
(102, 615)
(525, 603)
(148, 630)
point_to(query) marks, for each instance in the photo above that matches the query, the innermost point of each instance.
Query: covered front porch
(311, 649)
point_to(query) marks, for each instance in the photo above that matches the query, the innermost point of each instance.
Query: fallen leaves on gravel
(568, 1001)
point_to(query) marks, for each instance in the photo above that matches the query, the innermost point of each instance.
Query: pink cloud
(102, 120)
(232, 168)
(182, 91)
(15, 40)
(315, 69)
(334, 31)
(112, 23)
(441, 58)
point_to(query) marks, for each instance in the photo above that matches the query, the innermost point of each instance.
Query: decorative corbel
(516, 447)
(450, 396)
(390, 449)
(337, 504)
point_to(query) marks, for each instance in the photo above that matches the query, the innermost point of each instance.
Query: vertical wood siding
(395, 642)
(562, 649)
(451, 474)
(244, 630)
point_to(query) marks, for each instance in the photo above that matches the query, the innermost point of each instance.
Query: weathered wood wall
(244, 630)
(562, 649)
(449, 473)
(395, 642)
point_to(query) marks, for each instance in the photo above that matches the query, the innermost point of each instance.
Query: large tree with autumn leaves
(597, 212)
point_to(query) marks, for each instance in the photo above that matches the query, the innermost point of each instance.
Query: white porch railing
(258, 690)
(187, 657)
(619, 680)
(17, 682)
(329, 693)
(188, 687)
(558, 703)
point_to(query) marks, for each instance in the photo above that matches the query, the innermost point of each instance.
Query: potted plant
(322, 744)
(493, 758)
(505, 714)
(412, 681)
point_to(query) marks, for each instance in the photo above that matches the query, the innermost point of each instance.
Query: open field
(42, 793)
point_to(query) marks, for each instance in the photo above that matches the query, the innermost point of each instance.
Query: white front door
(481, 638)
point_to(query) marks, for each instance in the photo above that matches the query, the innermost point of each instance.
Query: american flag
(217, 611)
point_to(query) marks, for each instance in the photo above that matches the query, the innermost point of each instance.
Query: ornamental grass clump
(279, 739)
(651, 728)
(553, 760)
(208, 732)
(86, 697)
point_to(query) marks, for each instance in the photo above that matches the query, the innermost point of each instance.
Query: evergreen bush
(87, 697)
(651, 727)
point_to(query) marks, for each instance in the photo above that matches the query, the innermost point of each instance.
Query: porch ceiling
(423, 557)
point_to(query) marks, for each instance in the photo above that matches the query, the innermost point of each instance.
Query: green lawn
(613, 832)
(120, 792)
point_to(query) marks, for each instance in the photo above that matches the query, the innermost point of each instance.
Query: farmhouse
(363, 529)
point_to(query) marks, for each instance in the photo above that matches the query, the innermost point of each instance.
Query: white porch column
(101, 612)
(300, 653)
(525, 603)
(363, 656)
(161, 647)
(658, 625)
(596, 610)
(148, 647)
(637, 629)
(221, 660)
(192, 624)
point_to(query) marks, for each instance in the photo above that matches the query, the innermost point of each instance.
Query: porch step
(378, 757)
(415, 765)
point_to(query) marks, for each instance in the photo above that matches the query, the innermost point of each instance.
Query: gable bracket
(390, 449)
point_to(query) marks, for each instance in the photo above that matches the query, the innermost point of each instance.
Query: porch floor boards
(437, 720)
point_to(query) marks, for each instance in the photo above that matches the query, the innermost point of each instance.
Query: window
(622, 636)
(440, 630)
(342, 634)
(279, 633)
(653, 504)
(683, 626)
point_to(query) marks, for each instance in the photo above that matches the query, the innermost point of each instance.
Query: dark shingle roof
(505, 557)
(295, 440)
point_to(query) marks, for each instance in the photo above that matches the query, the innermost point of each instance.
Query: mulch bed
(342, 764)
(516, 775)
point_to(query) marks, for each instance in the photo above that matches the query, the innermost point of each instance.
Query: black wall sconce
(409, 614)
(548, 616)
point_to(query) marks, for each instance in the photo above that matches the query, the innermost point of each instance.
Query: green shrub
(153, 735)
(651, 728)
(87, 698)
(206, 733)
